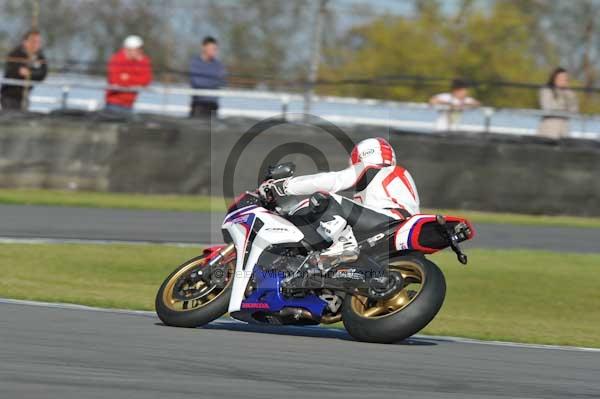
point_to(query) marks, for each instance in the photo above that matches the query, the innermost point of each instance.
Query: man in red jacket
(128, 67)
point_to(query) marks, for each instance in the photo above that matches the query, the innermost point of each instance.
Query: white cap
(133, 42)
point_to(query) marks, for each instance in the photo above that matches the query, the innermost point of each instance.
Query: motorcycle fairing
(267, 297)
(259, 228)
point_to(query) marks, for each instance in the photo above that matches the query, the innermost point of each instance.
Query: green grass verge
(88, 199)
(207, 204)
(523, 296)
(115, 276)
(520, 219)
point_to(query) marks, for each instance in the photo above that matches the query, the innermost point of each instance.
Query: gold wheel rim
(414, 279)
(212, 292)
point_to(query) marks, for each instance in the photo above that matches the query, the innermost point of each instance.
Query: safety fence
(63, 93)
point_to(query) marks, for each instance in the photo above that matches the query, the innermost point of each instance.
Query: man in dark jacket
(26, 62)
(206, 72)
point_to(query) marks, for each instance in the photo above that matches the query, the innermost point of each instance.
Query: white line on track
(229, 320)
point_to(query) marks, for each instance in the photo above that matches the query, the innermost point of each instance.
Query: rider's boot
(344, 247)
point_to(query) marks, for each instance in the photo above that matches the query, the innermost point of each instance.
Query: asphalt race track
(27, 222)
(55, 351)
(49, 352)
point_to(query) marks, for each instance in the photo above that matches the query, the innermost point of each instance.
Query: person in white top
(380, 185)
(451, 105)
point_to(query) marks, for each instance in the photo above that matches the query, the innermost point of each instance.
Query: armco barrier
(162, 155)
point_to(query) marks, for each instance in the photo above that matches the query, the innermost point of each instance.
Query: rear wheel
(185, 300)
(405, 313)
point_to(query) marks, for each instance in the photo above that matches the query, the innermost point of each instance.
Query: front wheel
(404, 314)
(184, 300)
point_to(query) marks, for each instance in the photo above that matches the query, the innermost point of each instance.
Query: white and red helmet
(376, 151)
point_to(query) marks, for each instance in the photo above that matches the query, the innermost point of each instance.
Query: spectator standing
(555, 98)
(206, 72)
(129, 67)
(451, 105)
(26, 62)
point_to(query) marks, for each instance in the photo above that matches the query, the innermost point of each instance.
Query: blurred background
(399, 53)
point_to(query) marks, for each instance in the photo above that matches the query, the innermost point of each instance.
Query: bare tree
(263, 37)
(79, 31)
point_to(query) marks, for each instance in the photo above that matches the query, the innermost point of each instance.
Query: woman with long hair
(557, 100)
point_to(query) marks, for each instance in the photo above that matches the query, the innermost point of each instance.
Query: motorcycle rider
(380, 185)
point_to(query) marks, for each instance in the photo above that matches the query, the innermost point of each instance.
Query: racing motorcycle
(269, 270)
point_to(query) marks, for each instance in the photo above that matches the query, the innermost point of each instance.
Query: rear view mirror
(281, 171)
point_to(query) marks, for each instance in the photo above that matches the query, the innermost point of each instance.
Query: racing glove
(272, 189)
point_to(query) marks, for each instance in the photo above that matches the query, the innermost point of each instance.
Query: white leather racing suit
(385, 189)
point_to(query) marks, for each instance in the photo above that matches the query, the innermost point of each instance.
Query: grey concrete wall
(162, 155)
(44, 152)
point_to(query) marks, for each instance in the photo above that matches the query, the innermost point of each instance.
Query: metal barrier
(341, 110)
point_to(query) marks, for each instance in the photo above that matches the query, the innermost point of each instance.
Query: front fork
(223, 253)
(206, 272)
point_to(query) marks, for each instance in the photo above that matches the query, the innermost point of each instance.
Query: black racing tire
(208, 312)
(405, 322)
